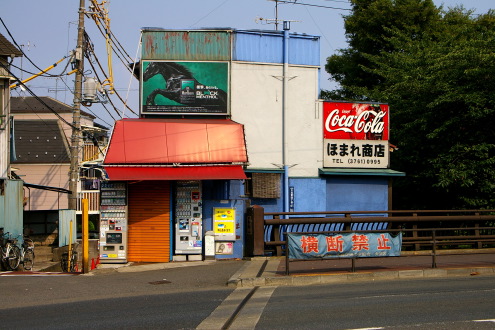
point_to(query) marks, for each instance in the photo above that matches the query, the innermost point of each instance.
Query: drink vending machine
(113, 222)
(188, 218)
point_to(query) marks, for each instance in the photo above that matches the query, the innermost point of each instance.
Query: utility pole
(76, 112)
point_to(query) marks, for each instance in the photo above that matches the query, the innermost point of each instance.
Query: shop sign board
(344, 245)
(355, 135)
(356, 154)
(184, 88)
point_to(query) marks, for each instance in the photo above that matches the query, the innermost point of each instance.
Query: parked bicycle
(64, 260)
(27, 254)
(10, 252)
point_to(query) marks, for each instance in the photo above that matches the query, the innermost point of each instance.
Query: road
(197, 297)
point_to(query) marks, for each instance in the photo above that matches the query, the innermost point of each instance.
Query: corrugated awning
(130, 173)
(176, 149)
(176, 141)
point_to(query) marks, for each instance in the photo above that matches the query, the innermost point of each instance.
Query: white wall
(256, 102)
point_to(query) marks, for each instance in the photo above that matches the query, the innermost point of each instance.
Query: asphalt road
(187, 298)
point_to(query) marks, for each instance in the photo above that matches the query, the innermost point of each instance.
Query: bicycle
(27, 253)
(64, 260)
(10, 252)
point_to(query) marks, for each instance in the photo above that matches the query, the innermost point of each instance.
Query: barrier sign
(346, 245)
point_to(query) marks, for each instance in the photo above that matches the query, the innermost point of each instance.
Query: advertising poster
(224, 223)
(184, 87)
(355, 121)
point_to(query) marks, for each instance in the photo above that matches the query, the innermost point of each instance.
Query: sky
(47, 31)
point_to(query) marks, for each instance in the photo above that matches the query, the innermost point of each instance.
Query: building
(262, 85)
(11, 193)
(42, 135)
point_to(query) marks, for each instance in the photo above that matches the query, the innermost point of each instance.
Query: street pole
(285, 86)
(76, 112)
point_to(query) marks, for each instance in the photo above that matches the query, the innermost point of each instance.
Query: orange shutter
(148, 233)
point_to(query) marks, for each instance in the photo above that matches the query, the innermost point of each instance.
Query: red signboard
(355, 121)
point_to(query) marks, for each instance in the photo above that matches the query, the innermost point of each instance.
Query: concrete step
(43, 253)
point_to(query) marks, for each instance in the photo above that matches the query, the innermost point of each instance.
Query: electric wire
(310, 5)
(37, 97)
(101, 68)
(19, 47)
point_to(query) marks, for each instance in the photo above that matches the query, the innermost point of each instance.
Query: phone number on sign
(364, 161)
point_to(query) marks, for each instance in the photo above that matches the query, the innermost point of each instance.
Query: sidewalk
(270, 271)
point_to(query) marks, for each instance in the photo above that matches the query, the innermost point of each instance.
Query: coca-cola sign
(355, 121)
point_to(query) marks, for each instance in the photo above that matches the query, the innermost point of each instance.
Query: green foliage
(438, 75)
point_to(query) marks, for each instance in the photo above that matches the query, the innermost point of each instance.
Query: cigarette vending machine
(113, 222)
(188, 218)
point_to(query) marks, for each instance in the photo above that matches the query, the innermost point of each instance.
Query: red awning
(131, 173)
(176, 141)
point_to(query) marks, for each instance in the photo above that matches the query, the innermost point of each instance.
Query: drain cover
(160, 282)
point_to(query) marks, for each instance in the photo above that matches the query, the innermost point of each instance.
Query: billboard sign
(184, 87)
(355, 121)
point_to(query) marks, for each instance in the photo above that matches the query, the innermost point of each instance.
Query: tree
(367, 31)
(443, 109)
(439, 83)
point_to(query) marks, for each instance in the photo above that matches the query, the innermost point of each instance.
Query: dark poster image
(184, 87)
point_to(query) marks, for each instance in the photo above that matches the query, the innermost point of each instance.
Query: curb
(301, 280)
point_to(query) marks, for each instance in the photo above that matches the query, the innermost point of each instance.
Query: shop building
(228, 119)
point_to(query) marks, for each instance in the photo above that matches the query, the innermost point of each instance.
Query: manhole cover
(160, 282)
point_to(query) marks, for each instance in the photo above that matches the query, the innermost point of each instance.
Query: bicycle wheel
(14, 258)
(73, 262)
(63, 261)
(28, 261)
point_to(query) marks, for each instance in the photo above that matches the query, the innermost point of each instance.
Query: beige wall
(54, 175)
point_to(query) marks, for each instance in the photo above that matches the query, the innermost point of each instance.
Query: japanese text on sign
(356, 153)
(349, 245)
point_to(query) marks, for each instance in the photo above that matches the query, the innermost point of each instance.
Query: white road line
(222, 313)
(251, 313)
(490, 320)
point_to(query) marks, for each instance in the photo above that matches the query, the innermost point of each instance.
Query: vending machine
(113, 222)
(188, 218)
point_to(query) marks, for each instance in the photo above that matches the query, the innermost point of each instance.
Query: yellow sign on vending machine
(224, 223)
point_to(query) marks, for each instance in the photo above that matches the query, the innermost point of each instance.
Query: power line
(308, 4)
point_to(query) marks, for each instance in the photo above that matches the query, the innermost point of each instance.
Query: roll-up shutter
(149, 221)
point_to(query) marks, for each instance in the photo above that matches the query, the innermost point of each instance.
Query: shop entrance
(149, 221)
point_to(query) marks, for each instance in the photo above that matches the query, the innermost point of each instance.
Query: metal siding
(257, 47)
(64, 232)
(11, 207)
(304, 50)
(267, 47)
(148, 235)
(186, 45)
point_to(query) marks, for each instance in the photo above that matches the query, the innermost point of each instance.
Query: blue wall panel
(309, 194)
(357, 194)
(267, 47)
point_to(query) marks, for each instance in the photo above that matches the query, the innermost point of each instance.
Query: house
(10, 188)
(42, 134)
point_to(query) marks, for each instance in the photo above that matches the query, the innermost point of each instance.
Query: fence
(422, 229)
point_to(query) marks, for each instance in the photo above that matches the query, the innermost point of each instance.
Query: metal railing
(422, 229)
